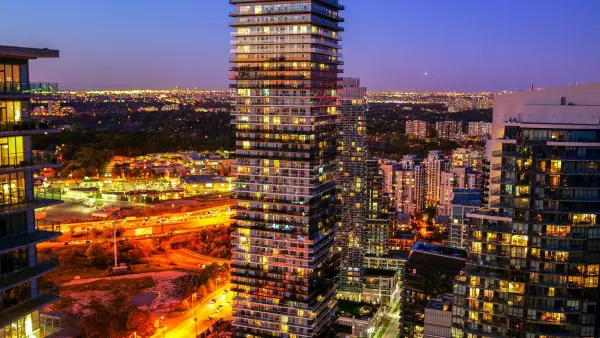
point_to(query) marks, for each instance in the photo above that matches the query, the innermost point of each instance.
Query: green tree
(202, 291)
(138, 320)
(210, 285)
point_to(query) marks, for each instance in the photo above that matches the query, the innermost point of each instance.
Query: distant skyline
(436, 45)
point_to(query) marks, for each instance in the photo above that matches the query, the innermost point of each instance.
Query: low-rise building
(358, 320)
(381, 286)
(402, 241)
(195, 185)
(438, 317)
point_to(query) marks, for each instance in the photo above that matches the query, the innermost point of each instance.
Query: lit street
(183, 326)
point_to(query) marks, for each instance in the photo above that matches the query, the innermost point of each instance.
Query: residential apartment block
(23, 294)
(533, 266)
(286, 62)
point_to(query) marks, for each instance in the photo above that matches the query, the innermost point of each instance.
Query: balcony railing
(32, 159)
(27, 87)
(24, 304)
(44, 230)
(22, 125)
(21, 199)
(44, 264)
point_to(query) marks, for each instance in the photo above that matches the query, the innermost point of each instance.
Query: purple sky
(465, 45)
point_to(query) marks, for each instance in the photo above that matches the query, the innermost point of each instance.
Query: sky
(408, 45)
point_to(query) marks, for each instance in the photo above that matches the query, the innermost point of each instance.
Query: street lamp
(196, 322)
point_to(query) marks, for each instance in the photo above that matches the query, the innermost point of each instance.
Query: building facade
(377, 220)
(352, 181)
(533, 267)
(449, 130)
(23, 294)
(428, 273)
(286, 63)
(416, 129)
(480, 130)
(463, 203)
(409, 192)
(457, 178)
(434, 164)
(468, 157)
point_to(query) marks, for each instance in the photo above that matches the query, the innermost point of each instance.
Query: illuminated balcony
(43, 266)
(285, 58)
(44, 231)
(24, 127)
(333, 3)
(313, 10)
(23, 199)
(33, 160)
(26, 306)
(26, 88)
(312, 77)
(276, 68)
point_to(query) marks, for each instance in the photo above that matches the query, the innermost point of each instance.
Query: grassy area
(128, 286)
(65, 275)
(384, 325)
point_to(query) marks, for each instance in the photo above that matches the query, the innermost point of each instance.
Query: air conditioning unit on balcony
(514, 231)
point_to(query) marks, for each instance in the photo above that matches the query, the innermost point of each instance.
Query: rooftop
(380, 273)
(439, 250)
(442, 304)
(202, 179)
(403, 235)
(27, 53)
(347, 308)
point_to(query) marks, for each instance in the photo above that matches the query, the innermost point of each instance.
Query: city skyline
(464, 47)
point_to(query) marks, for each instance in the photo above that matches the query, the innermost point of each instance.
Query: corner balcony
(44, 265)
(313, 10)
(29, 160)
(26, 88)
(26, 306)
(24, 127)
(44, 231)
(24, 199)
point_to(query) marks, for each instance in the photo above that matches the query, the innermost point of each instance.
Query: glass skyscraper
(534, 257)
(352, 150)
(22, 293)
(286, 62)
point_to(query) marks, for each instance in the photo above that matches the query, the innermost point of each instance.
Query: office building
(533, 264)
(434, 164)
(21, 265)
(416, 129)
(352, 180)
(286, 63)
(480, 130)
(449, 130)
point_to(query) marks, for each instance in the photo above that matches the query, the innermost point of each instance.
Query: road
(183, 326)
(149, 222)
(140, 230)
(188, 260)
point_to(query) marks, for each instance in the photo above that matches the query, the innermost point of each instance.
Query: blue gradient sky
(466, 45)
